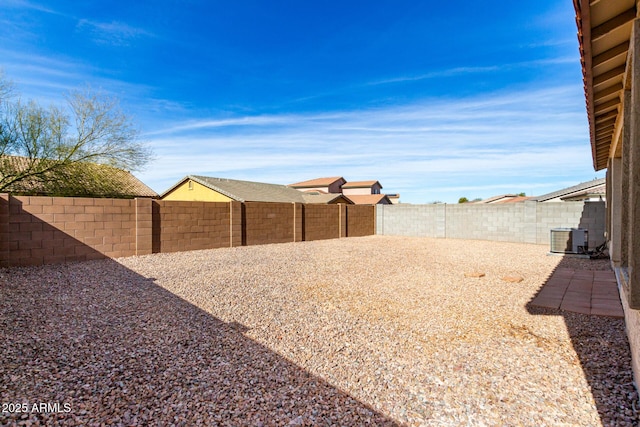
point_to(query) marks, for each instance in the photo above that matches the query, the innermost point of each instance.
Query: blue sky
(436, 100)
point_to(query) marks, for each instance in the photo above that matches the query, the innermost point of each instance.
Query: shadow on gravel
(602, 347)
(113, 348)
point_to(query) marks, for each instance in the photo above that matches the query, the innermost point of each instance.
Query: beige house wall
(623, 198)
(374, 189)
(322, 189)
(356, 191)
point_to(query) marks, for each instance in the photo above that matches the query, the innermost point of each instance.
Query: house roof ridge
(324, 181)
(367, 199)
(243, 190)
(81, 179)
(568, 190)
(368, 183)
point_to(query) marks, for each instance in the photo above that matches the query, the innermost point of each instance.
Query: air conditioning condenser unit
(569, 240)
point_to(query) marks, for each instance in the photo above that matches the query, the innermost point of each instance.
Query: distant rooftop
(245, 191)
(83, 179)
(360, 184)
(575, 190)
(318, 182)
(367, 199)
(503, 198)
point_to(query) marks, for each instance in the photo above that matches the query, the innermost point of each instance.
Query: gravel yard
(376, 330)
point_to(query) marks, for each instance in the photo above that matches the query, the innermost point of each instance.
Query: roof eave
(583, 22)
(604, 31)
(214, 188)
(201, 182)
(173, 187)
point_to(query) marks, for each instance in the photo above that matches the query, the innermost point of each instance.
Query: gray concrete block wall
(379, 219)
(530, 216)
(591, 220)
(528, 222)
(556, 215)
(486, 222)
(411, 220)
(589, 215)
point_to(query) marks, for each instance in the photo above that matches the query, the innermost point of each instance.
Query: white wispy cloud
(459, 71)
(48, 78)
(436, 74)
(525, 141)
(194, 125)
(24, 4)
(112, 33)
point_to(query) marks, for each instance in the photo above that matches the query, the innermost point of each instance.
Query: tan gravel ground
(376, 330)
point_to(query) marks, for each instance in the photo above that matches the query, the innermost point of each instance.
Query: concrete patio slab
(581, 291)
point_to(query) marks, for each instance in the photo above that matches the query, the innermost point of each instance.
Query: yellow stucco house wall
(191, 191)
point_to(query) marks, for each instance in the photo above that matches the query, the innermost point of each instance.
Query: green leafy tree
(45, 146)
(463, 200)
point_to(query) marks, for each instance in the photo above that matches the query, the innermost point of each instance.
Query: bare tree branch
(53, 143)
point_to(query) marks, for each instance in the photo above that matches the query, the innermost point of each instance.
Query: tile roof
(315, 191)
(570, 191)
(360, 184)
(605, 35)
(325, 198)
(503, 198)
(318, 182)
(514, 199)
(246, 191)
(368, 199)
(493, 199)
(79, 180)
(600, 190)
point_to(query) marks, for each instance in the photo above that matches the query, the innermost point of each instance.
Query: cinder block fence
(45, 230)
(528, 222)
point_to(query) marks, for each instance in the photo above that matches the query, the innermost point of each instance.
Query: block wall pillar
(4, 230)
(236, 225)
(298, 217)
(144, 227)
(379, 215)
(374, 215)
(614, 206)
(342, 220)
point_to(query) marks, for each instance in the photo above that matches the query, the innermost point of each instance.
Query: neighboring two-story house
(358, 188)
(330, 185)
(358, 192)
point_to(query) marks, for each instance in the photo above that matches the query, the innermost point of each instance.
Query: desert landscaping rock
(377, 330)
(513, 279)
(476, 274)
